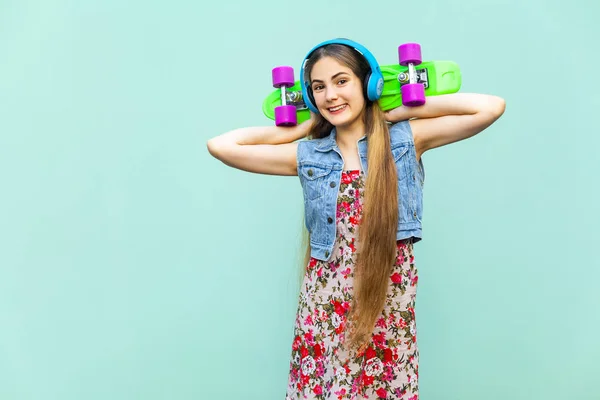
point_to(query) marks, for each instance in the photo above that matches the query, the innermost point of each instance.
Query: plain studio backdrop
(133, 265)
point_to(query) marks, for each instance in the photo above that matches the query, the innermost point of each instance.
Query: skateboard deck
(438, 77)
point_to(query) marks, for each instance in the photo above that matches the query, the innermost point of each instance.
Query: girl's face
(338, 92)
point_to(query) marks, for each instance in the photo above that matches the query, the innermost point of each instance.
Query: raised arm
(449, 118)
(269, 150)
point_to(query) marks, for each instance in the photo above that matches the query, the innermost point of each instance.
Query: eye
(342, 81)
(317, 87)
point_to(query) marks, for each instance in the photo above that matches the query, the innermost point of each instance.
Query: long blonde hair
(377, 230)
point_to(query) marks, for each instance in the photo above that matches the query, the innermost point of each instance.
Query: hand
(303, 129)
(311, 121)
(400, 113)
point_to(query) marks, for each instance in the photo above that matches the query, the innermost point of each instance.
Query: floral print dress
(388, 368)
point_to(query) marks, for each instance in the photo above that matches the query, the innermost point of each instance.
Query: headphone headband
(374, 80)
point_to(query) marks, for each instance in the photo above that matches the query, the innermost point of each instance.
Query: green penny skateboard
(436, 78)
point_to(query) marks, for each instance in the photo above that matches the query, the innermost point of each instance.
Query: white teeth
(337, 108)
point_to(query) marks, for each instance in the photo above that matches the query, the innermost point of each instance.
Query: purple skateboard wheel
(413, 94)
(283, 76)
(285, 116)
(409, 53)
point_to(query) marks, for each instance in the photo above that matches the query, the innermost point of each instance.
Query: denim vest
(320, 166)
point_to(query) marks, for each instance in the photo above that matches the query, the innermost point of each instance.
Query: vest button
(329, 219)
(332, 184)
(415, 214)
(326, 253)
(310, 172)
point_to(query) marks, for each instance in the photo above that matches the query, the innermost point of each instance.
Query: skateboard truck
(294, 98)
(421, 77)
(283, 95)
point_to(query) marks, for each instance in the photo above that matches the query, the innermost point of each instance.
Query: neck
(348, 136)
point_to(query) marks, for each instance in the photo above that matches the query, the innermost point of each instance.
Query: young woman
(362, 177)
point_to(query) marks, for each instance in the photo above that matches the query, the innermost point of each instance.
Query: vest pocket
(406, 209)
(400, 154)
(315, 178)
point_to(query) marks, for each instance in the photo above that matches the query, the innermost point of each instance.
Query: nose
(330, 93)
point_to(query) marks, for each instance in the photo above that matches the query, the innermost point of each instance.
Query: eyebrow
(333, 77)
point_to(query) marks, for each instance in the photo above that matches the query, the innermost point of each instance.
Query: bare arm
(269, 150)
(449, 118)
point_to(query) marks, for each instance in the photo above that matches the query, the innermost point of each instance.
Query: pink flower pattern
(320, 368)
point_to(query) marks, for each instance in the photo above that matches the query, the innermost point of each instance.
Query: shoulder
(314, 142)
(307, 145)
(401, 133)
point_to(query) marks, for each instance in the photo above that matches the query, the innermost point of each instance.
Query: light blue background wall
(135, 266)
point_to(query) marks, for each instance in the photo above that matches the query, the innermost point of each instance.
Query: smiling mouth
(337, 108)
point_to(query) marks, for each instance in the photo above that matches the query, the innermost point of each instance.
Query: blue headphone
(373, 81)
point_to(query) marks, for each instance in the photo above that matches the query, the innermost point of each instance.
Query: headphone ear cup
(311, 98)
(366, 85)
(375, 86)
